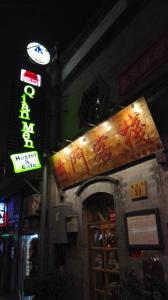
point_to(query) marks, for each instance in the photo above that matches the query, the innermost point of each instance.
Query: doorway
(102, 241)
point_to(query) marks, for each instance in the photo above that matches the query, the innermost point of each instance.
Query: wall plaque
(144, 229)
(138, 190)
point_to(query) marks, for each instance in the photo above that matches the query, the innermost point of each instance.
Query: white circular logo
(38, 53)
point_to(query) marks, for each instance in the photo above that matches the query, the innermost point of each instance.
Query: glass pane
(102, 296)
(97, 237)
(110, 238)
(98, 259)
(99, 296)
(101, 208)
(99, 280)
(111, 260)
(113, 280)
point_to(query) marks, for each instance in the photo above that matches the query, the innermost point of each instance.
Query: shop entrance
(7, 263)
(103, 251)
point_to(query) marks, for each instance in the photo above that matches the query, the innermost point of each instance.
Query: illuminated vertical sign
(27, 127)
(2, 214)
(27, 161)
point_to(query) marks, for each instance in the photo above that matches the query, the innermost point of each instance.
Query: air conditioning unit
(31, 205)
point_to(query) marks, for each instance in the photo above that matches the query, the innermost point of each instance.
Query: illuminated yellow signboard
(26, 161)
(27, 125)
(127, 136)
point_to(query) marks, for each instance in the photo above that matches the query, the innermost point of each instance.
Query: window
(93, 102)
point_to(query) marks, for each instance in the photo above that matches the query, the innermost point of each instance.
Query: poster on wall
(127, 136)
(143, 229)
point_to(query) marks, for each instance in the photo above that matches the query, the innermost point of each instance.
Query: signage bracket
(32, 187)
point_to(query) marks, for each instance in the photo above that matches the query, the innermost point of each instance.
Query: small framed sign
(138, 190)
(143, 229)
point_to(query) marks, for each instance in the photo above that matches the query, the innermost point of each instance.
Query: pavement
(7, 297)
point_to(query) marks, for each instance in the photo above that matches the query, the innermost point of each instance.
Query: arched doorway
(102, 241)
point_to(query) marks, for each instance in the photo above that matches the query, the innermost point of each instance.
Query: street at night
(84, 150)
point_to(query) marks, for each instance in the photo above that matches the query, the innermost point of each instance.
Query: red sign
(30, 77)
(152, 58)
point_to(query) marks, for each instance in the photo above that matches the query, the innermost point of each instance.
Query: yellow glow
(137, 108)
(107, 125)
(82, 140)
(67, 150)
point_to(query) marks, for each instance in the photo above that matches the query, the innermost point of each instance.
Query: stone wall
(150, 172)
(155, 176)
(149, 25)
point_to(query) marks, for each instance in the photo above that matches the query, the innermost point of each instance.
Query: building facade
(113, 219)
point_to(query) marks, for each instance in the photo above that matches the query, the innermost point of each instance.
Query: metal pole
(43, 219)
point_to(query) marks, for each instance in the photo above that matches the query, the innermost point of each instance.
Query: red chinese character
(60, 169)
(103, 153)
(133, 131)
(78, 154)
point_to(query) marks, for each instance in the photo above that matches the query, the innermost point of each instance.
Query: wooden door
(104, 267)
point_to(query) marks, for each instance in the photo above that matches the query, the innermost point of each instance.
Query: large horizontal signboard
(125, 137)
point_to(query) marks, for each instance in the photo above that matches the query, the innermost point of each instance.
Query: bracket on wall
(31, 186)
(68, 141)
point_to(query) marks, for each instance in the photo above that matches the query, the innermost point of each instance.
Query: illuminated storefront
(125, 137)
(111, 164)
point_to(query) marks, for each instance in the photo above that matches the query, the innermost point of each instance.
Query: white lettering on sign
(30, 77)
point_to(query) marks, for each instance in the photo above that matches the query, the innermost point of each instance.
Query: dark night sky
(47, 22)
